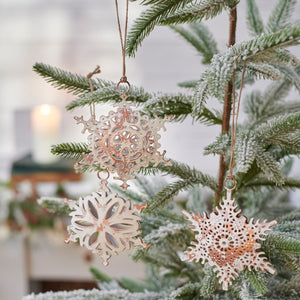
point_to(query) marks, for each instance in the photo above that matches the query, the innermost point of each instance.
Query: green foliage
(196, 12)
(280, 15)
(70, 150)
(254, 21)
(258, 281)
(74, 83)
(200, 38)
(55, 205)
(148, 20)
(282, 243)
(209, 282)
(258, 50)
(109, 94)
(99, 276)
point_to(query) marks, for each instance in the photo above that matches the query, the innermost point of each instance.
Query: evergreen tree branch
(258, 281)
(109, 94)
(209, 282)
(162, 198)
(70, 150)
(188, 84)
(187, 292)
(280, 15)
(72, 83)
(254, 21)
(182, 171)
(281, 243)
(206, 37)
(263, 71)
(55, 205)
(254, 50)
(198, 43)
(288, 183)
(148, 20)
(285, 124)
(196, 12)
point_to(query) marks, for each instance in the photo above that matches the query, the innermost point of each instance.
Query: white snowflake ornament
(228, 242)
(105, 223)
(123, 142)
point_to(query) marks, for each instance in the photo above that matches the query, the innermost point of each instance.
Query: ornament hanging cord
(123, 42)
(89, 77)
(235, 115)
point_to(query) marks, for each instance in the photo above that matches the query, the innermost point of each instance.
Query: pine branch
(267, 163)
(99, 276)
(258, 281)
(70, 150)
(109, 94)
(280, 15)
(263, 71)
(290, 75)
(196, 12)
(184, 172)
(220, 72)
(246, 151)
(166, 194)
(55, 205)
(289, 183)
(187, 292)
(284, 57)
(254, 21)
(206, 37)
(276, 92)
(285, 124)
(179, 106)
(97, 294)
(281, 243)
(277, 110)
(177, 234)
(219, 147)
(209, 282)
(188, 84)
(295, 215)
(148, 20)
(200, 94)
(72, 83)
(196, 42)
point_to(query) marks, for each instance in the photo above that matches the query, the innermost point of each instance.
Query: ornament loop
(99, 175)
(232, 178)
(124, 81)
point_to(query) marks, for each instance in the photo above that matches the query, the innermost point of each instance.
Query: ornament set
(123, 142)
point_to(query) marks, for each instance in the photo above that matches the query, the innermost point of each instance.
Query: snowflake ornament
(105, 223)
(227, 241)
(123, 142)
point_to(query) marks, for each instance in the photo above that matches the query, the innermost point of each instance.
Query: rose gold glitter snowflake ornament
(105, 223)
(123, 142)
(227, 241)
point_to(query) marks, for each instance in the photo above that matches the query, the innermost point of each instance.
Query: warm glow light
(46, 126)
(45, 109)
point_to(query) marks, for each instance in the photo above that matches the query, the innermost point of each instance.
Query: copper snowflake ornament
(123, 142)
(105, 223)
(228, 242)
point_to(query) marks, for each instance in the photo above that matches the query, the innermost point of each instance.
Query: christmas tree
(267, 142)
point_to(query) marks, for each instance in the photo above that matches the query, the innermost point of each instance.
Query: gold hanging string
(235, 115)
(123, 40)
(89, 77)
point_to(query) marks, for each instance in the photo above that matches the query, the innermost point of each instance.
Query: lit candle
(46, 125)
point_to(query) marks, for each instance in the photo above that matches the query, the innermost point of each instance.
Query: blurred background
(76, 36)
